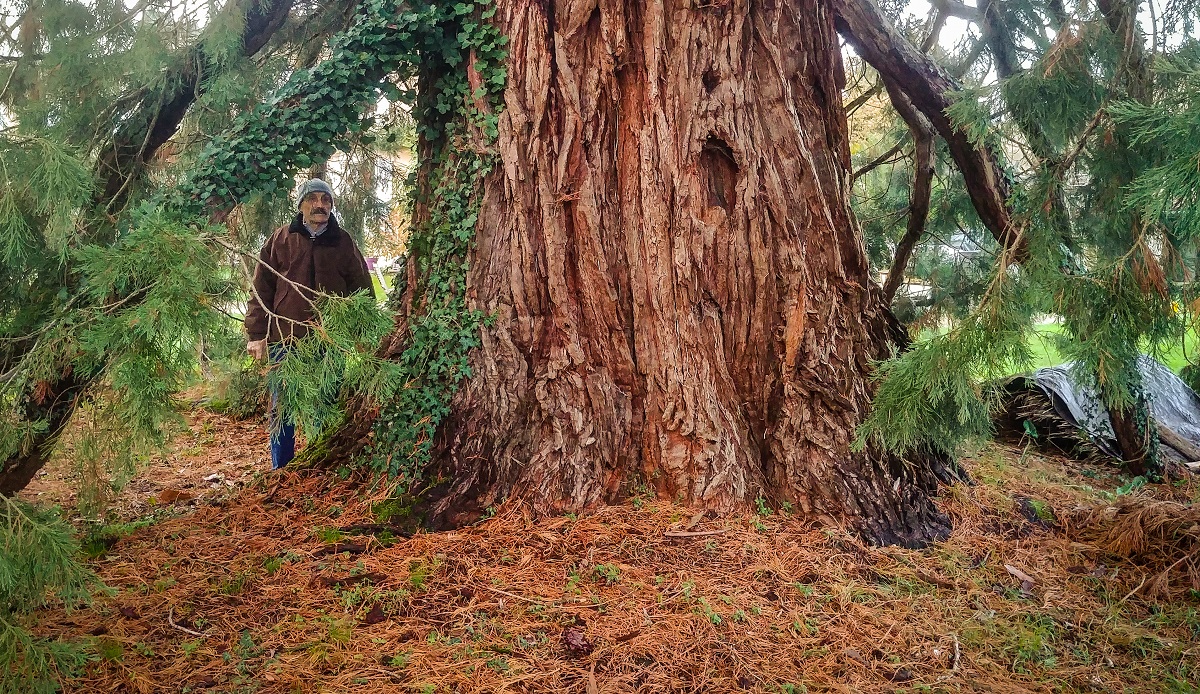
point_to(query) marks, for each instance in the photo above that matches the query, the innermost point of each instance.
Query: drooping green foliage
(1093, 120)
(933, 396)
(41, 183)
(38, 563)
(1167, 193)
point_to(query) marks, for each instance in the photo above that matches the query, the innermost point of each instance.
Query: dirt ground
(214, 455)
(304, 582)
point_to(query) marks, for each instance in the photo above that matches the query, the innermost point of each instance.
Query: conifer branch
(8, 82)
(151, 125)
(929, 87)
(997, 34)
(922, 188)
(301, 290)
(1064, 165)
(156, 119)
(885, 158)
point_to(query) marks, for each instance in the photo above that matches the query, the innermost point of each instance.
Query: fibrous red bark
(680, 294)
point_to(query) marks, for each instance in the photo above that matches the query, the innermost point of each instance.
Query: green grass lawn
(380, 292)
(1046, 354)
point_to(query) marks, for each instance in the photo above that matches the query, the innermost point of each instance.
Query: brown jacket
(330, 263)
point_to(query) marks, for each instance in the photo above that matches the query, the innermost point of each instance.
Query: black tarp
(1173, 404)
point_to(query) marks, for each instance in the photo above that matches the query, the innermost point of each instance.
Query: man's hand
(257, 349)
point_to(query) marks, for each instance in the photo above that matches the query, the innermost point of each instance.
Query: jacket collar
(330, 237)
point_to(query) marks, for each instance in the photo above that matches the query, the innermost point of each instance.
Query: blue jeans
(283, 442)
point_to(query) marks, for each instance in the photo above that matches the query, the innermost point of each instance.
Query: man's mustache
(319, 210)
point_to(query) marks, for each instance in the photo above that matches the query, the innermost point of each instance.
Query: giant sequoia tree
(677, 291)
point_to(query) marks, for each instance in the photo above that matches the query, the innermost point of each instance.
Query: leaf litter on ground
(259, 589)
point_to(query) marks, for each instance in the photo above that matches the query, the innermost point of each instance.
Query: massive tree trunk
(680, 294)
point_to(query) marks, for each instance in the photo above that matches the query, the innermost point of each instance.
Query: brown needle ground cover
(297, 584)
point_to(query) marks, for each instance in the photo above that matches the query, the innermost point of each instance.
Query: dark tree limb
(954, 8)
(158, 115)
(937, 23)
(879, 160)
(929, 87)
(1133, 439)
(918, 206)
(55, 409)
(922, 134)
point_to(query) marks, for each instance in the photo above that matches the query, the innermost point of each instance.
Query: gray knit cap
(312, 185)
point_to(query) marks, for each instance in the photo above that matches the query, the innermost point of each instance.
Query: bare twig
(882, 159)
(171, 621)
(1069, 160)
(1131, 593)
(259, 299)
(258, 261)
(681, 534)
(1019, 574)
(514, 596)
(864, 98)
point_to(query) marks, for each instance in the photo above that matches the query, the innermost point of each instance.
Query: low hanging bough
(1093, 263)
(43, 396)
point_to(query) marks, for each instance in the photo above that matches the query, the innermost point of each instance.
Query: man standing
(310, 255)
